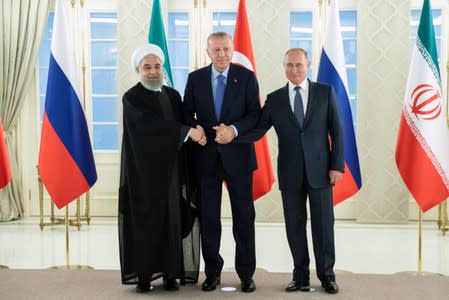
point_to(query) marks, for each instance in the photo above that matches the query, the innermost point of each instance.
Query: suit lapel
(311, 103)
(209, 96)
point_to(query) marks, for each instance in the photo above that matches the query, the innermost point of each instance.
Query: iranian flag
(263, 177)
(156, 35)
(422, 149)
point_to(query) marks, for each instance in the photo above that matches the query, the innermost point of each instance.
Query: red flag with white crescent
(263, 177)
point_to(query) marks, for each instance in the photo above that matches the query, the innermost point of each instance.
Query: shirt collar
(215, 73)
(304, 85)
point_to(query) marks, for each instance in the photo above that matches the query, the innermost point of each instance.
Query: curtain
(22, 24)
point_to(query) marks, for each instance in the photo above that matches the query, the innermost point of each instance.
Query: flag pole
(442, 207)
(68, 266)
(322, 14)
(323, 11)
(420, 241)
(67, 240)
(86, 216)
(442, 217)
(65, 58)
(197, 33)
(420, 271)
(80, 14)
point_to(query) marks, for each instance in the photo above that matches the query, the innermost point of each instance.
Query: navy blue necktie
(219, 94)
(299, 109)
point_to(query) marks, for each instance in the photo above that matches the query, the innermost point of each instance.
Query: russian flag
(66, 163)
(332, 71)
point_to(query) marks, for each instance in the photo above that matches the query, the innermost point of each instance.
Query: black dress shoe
(330, 287)
(297, 285)
(247, 285)
(144, 287)
(210, 283)
(170, 284)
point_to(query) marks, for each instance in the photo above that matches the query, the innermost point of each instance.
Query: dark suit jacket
(308, 147)
(241, 108)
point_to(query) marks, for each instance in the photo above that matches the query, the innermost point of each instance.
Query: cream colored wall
(270, 41)
(383, 32)
(383, 45)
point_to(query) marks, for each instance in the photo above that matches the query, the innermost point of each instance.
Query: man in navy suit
(305, 117)
(227, 95)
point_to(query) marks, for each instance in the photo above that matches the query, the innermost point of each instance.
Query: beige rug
(100, 284)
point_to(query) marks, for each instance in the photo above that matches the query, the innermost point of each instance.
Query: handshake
(198, 135)
(223, 134)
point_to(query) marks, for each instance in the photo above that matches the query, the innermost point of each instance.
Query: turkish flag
(5, 169)
(263, 177)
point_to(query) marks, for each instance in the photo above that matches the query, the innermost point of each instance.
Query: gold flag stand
(419, 272)
(65, 220)
(67, 265)
(75, 221)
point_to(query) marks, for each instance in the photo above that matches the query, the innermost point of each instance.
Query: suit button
(302, 133)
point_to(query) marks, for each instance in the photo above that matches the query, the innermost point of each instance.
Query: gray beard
(152, 85)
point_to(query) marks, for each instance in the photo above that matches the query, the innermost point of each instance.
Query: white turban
(148, 49)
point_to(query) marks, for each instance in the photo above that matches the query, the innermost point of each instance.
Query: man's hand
(203, 140)
(197, 135)
(334, 176)
(223, 134)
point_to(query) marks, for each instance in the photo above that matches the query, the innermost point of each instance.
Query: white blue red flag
(422, 148)
(66, 163)
(332, 71)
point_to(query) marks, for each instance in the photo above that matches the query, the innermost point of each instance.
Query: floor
(360, 248)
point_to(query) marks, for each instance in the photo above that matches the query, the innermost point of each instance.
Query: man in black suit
(228, 95)
(305, 115)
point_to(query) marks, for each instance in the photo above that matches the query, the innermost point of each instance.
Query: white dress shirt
(304, 91)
